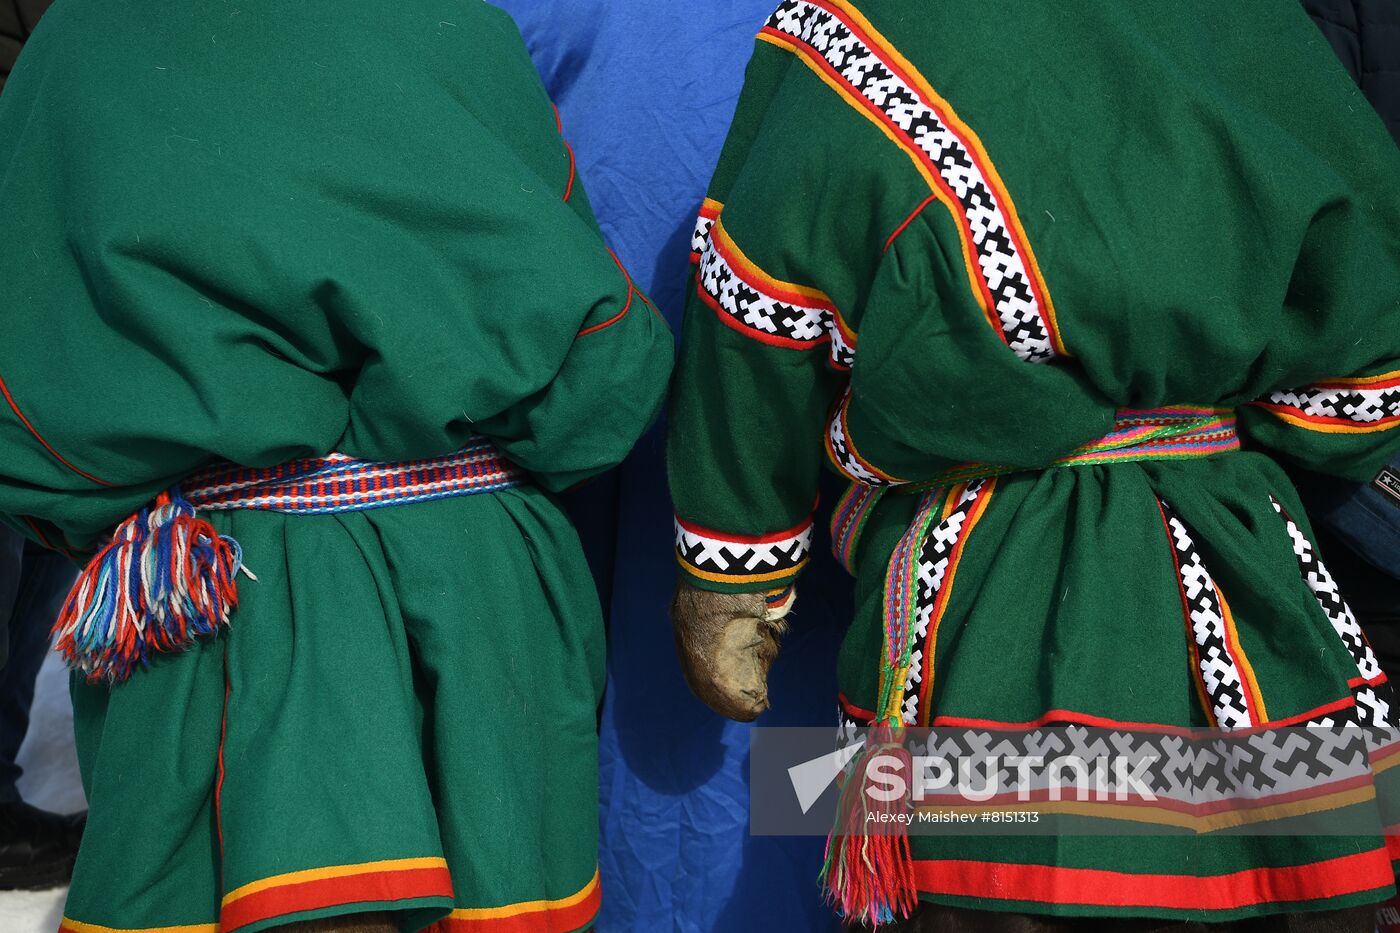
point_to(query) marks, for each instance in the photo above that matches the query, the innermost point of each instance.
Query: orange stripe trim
(14, 406)
(945, 593)
(333, 871)
(972, 141)
(823, 70)
(728, 320)
(319, 888)
(850, 446)
(1326, 424)
(783, 291)
(557, 916)
(741, 578)
(1258, 715)
(1383, 381)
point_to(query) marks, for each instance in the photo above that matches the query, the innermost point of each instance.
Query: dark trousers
(36, 581)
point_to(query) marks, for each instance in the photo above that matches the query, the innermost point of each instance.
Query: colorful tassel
(869, 868)
(164, 581)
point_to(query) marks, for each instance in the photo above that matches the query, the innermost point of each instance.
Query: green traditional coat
(260, 232)
(1056, 287)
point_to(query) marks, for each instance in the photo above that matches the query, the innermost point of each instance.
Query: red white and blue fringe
(168, 579)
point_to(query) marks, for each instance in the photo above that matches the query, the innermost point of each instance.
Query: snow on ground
(50, 781)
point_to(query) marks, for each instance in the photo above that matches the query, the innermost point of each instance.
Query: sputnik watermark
(1076, 780)
(974, 780)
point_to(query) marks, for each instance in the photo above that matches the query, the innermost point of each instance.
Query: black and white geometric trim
(1221, 675)
(1359, 404)
(1373, 693)
(1002, 268)
(740, 559)
(763, 308)
(843, 454)
(934, 561)
(748, 303)
(701, 237)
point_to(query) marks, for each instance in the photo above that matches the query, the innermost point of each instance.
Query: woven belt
(955, 500)
(876, 870)
(1177, 432)
(337, 483)
(168, 579)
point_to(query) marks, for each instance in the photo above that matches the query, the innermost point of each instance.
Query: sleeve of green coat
(358, 231)
(523, 326)
(539, 341)
(787, 249)
(1340, 308)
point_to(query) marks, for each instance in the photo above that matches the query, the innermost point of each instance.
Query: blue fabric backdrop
(646, 89)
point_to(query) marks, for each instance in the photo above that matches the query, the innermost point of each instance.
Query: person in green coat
(1056, 290)
(306, 320)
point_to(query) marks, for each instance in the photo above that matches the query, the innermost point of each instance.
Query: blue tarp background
(646, 90)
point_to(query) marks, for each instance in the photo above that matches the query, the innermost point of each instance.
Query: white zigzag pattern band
(934, 557)
(1000, 263)
(701, 237)
(1221, 676)
(715, 555)
(1351, 403)
(744, 300)
(843, 455)
(1372, 703)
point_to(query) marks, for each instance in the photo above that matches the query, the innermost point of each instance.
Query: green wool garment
(951, 245)
(259, 232)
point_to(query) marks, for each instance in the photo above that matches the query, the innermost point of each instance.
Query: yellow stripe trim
(955, 122)
(527, 907)
(1164, 817)
(1251, 682)
(855, 452)
(334, 871)
(752, 270)
(740, 578)
(1302, 421)
(77, 926)
(710, 204)
(1386, 763)
(979, 508)
(863, 108)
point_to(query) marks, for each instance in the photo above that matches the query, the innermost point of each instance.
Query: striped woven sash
(1177, 432)
(918, 582)
(951, 504)
(167, 579)
(337, 483)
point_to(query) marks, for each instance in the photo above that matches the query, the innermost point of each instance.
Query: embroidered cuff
(715, 560)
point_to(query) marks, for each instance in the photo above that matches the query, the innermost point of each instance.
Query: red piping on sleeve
(909, 220)
(631, 293)
(14, 406)
(573, 162)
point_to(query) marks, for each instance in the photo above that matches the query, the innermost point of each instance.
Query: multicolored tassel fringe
(869, 869)
(164, 581)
